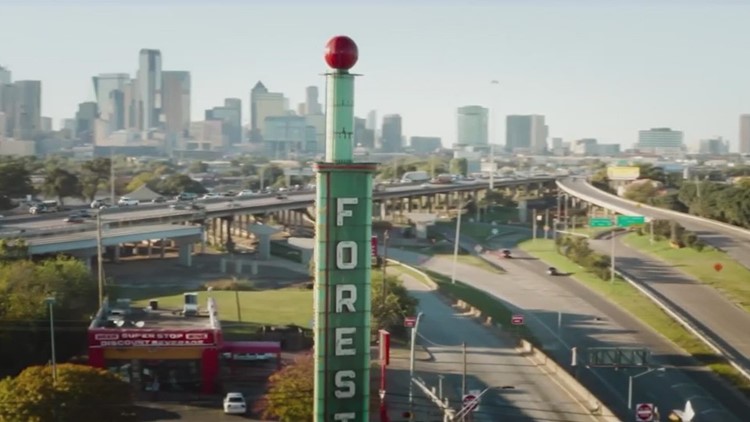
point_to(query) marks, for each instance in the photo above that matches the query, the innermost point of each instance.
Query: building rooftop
(122, 315)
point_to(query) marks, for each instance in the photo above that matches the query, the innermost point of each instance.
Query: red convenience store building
(169, 349)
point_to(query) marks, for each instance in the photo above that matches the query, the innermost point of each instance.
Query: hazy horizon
(594, 69)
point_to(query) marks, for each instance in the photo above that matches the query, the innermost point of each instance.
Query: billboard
(623, 173)
(109, 337)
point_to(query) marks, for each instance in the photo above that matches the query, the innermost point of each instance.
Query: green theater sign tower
(342, 253)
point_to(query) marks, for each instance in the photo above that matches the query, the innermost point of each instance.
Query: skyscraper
(176, 101)
(392, 137)
(264, 104)
(231, 118)
(312, 105)
(472, 125)
(372, 120)
(5, 75)
(661, 141)
(526, 134)
(109, 89)
(149, 88)
(744, 142)
(85, 119)
(7, 106)
(28, 109)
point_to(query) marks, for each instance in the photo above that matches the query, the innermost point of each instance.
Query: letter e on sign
(342, 212)
(343, 343)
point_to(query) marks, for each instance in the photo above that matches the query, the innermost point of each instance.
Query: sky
(600, 69)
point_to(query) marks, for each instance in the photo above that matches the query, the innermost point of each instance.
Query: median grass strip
(487, 304)
(629, 298)
(731, 281)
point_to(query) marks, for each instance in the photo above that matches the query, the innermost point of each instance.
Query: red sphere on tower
(341, 52)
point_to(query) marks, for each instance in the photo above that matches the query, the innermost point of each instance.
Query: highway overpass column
(163, 243)
(116, 254)
(186, 254)
(383, 211)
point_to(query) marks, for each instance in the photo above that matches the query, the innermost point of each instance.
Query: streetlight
(411, 363)
(50, 301)
(630, 383)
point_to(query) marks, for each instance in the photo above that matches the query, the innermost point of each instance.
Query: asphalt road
(736, 243)
(588, 320)
(716, 316)
(529, 394)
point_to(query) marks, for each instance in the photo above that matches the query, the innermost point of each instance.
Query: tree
(641, 192)
(62, 184)
(144, 178)
(176, 184)
(290, 394)
(93, 173)
(398, 304)
(13, 249)
(459, 166)
(79, 393)
(198, 167)
(15, 179)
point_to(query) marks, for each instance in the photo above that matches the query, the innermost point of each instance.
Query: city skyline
(662, 75)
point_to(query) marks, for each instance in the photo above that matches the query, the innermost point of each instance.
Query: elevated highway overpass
(704, 307)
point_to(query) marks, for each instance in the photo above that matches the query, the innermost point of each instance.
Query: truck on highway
(44, 207)
(415, 177)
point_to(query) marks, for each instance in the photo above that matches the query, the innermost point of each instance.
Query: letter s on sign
(345, 386)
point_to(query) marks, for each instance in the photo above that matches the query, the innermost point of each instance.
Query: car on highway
(99, 203)
(186, 196)
(74, 218)
(234, 404)
(187, 206)
(552, 271)
(246, 193)
(127, 201)
(82, 214)
(281, 196)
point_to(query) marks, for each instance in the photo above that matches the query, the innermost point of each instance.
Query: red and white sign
(644, 412)
(471, 402)
(410, 322)
(150, 338)
(374, 246)
(516, 319)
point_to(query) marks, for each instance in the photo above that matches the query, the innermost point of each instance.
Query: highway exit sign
(630, 220)
(600, 222)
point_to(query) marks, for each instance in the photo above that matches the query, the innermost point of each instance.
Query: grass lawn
(627, 297)
(733, 281)
(268, 307)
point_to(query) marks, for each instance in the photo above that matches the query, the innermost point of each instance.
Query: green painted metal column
(342, 255)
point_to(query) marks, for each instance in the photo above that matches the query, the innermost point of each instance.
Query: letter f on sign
(342, 212)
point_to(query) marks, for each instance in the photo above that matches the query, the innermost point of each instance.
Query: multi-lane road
(228, 206)
(563, 314)
(734, 240)
(522, 392)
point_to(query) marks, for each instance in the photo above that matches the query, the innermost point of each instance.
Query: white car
(128, 202)
(234, 404)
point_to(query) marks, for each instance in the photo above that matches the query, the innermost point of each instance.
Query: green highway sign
(600, 222)
(630, 220)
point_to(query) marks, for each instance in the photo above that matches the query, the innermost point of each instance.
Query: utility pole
(458, 237)
(112, 176)
(385, 263)
(100, 257)
(612, 258)
(411, 364)
(463, 378)
(533, 224)
(546, 224)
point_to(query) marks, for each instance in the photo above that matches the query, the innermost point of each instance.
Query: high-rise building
(372, 121)
(2, 126)
(312, 105)
(236, 104)
(287, 136)
(85, 121)
(744, 142)
(264, 104)
(46, 124)
(661, 141)
(391, 136)
(207, 136)
(526, 134)
(230, 118)
(28, 109)
(363, 137)
(8, 107)
(175, 94)
(425, 145)
(715, 146)
(472, 125)
(5, 75)
(149, 89)
(109, 89)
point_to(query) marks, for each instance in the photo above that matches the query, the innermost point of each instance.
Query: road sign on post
(470, 403)
(600, 222)
(516, 319)
(644, 412)
(630, 220)
(410, 321)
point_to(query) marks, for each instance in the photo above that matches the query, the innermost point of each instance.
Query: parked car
(234, 404)
(127, 201)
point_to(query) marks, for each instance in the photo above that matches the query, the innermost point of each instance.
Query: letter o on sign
(346, 255)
